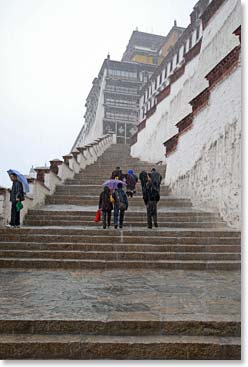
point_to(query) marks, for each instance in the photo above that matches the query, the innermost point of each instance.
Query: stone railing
(47, 178)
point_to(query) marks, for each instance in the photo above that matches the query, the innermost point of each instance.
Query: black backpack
(121, 200)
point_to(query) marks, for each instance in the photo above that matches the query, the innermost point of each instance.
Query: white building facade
(190, 111)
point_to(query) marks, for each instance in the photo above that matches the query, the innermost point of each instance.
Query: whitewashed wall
(207, 158)
(161, 125)
(97, 128)
(217, 41)
(206, 165)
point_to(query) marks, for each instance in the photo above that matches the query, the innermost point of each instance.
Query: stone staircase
(187, 340)
(62, 236)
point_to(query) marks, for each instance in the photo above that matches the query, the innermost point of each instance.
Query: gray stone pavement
(119, 295)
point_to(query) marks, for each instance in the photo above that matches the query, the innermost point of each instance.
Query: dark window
(178, 57)
(165, 72)
(190, 42)
(160, 78)
(197, 32)
(184, 48)
(171, 63)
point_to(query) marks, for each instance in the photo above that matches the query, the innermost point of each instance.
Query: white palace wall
(205, 165)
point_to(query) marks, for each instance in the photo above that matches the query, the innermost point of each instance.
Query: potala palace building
(177, 99)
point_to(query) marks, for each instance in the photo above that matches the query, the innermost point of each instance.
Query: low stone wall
(49, 177)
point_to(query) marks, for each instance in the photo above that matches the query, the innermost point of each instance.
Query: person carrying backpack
(120, 205)
(131, 180)
(156, 179)
(106, 206)
(151, 198)
(117, 174)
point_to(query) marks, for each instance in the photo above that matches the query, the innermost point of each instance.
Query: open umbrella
(112, 184)
(20, 178)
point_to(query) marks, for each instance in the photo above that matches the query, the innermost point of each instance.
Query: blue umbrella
(20, 178)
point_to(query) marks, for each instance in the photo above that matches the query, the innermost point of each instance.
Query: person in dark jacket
(151, 198)
(106, 206)
(156, 179)
(16, 195)
(131, 180)
(120, 205)
(117, 174)
(143, 180)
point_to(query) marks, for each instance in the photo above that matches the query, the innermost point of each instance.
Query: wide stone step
(135, 201)
(96, 183)
(169, 224)
(129, 163)
(93, 171)
(72, 246)
(95, 190)
(175, 213)
(28, 263)
(117, 255)
(148, 326)
(90, 182)
(135, 232)
(129, 217)
(81, 347)
(126, 239)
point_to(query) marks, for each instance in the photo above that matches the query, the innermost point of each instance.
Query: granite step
(93, 171)
(92, 181)
(72, 246)
(133, 236)
(125, 232)
(91, 200)
(128, 219)
(128, 239)
(127, 326)
(74, 188)
(129, 216)
(95, 190)
(141, 213)
(81, 347)
(72, 222)
(118, 255)
(54, 264)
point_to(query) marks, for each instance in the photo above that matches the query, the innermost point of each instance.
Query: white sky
(50, 51)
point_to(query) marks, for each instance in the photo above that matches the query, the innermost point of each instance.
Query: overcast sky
(50, 51)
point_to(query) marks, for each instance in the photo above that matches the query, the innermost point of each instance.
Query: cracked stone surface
(119, 294)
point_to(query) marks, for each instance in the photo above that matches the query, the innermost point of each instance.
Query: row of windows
(124, 74)
(172, 64)
(121, 116)
(121, 102)
(118, 89)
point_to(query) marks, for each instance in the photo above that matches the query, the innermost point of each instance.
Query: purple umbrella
(112, 184)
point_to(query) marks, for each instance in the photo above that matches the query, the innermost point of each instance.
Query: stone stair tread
(125, 261)
(81, 208)
(126, 230)
(220, 225)
(22, 338)
(115, 252)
